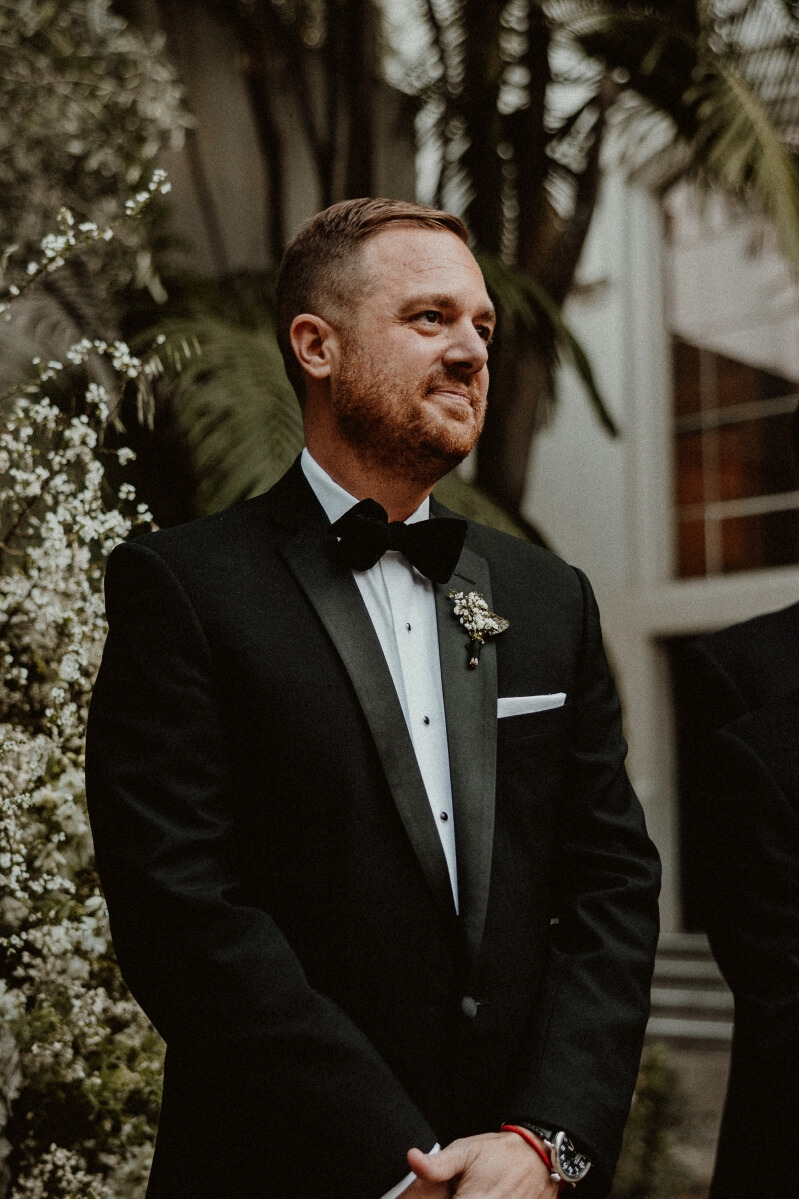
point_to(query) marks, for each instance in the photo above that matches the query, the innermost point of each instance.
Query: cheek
(481, 381)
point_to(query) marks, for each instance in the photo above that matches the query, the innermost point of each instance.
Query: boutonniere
(479, 621)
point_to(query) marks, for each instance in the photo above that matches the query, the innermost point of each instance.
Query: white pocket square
(520, 705)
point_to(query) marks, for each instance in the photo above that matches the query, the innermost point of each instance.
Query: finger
(438, 1167)
(419, 1189)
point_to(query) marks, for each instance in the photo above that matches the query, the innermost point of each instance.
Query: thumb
(438, 1167)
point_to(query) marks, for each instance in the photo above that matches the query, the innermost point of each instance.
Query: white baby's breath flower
(60, 993)
(480, 622)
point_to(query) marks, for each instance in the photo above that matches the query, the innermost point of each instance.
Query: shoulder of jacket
(201, 534)
(732, 646)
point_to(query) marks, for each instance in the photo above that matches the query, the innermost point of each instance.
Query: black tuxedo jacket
(745, 690)
(279, 897)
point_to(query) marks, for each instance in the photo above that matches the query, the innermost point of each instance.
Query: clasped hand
(493, 1165)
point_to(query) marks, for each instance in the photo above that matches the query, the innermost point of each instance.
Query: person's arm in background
(743, 765)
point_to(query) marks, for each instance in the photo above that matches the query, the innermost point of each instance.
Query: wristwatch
(568, 1164)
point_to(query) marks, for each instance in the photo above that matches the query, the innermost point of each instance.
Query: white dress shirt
(401, 604)
(402, 608)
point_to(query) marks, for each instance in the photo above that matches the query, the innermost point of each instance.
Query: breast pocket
(553, 722)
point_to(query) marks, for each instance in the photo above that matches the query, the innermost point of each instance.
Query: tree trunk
(520, 379)
(521, 375)
(477, 104)
(358, 80)
(529, 138)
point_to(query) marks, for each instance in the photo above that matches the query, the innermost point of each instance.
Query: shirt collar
(335, 500)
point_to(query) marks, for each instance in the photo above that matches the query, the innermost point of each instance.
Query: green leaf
(233, 405)
(710, 82)
(658, 51)
(475, 504)
(525, 299)
(738, 147)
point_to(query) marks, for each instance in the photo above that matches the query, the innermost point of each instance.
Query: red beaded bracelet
(532, 1141)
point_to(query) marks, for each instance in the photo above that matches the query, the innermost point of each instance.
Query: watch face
(571, 1165)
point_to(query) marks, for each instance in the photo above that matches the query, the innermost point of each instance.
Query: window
(737, 491)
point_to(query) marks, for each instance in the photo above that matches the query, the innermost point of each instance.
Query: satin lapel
(338, 603)
(470, 700)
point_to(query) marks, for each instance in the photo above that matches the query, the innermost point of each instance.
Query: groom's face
(410, 385)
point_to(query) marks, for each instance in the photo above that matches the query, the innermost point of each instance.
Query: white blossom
(62, 1001)
(478, 620)
(86, 99)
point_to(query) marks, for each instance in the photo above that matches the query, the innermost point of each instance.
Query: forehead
(405, 259)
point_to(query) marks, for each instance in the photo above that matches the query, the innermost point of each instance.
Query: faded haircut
(319, 272)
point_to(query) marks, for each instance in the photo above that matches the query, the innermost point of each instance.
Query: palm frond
(731, 93)
(233, 405)
(657, 54)
(475, 504)
(527, 301)
(738, 146)
(60, 310)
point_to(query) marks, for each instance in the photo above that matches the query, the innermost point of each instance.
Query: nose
(466, 348)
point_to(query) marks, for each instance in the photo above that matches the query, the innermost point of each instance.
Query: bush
(80, 1065)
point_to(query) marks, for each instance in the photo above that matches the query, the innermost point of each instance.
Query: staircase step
(691, 1002)
(668, 1028)
(706, 1000)
(696, 970)
(684, 944)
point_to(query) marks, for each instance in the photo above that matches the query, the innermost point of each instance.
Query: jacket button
(469, 1007)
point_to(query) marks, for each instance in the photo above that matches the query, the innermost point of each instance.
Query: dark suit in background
(744, 684)
(278, 893)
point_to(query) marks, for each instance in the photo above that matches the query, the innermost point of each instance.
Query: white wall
(713, 249)
(607, 505)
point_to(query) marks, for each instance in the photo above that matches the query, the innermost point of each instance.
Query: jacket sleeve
(591, 1022)
(742, 764)
(216, 975)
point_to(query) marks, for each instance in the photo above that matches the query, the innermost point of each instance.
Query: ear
(315, 344)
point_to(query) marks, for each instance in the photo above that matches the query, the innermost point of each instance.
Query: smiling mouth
(449, 393)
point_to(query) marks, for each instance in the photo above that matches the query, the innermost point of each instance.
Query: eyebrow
(445, 301)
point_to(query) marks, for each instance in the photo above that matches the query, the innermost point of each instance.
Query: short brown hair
(316, 274)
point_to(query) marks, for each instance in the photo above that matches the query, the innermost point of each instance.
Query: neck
(399, 496)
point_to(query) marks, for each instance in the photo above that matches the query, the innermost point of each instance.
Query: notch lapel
(334, 595)
(470, 702)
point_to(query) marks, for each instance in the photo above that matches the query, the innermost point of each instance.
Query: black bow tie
(432, 546)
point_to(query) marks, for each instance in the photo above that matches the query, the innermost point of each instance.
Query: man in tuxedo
(377, 876)
(744, 766)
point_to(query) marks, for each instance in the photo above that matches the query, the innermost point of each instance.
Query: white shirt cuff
(396, 1191)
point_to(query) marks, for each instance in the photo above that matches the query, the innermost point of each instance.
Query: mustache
(455, 382)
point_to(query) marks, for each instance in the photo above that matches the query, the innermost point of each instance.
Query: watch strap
(551, 1139)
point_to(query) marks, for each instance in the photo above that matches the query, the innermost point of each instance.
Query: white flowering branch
(85, 1063)
(72, 237)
